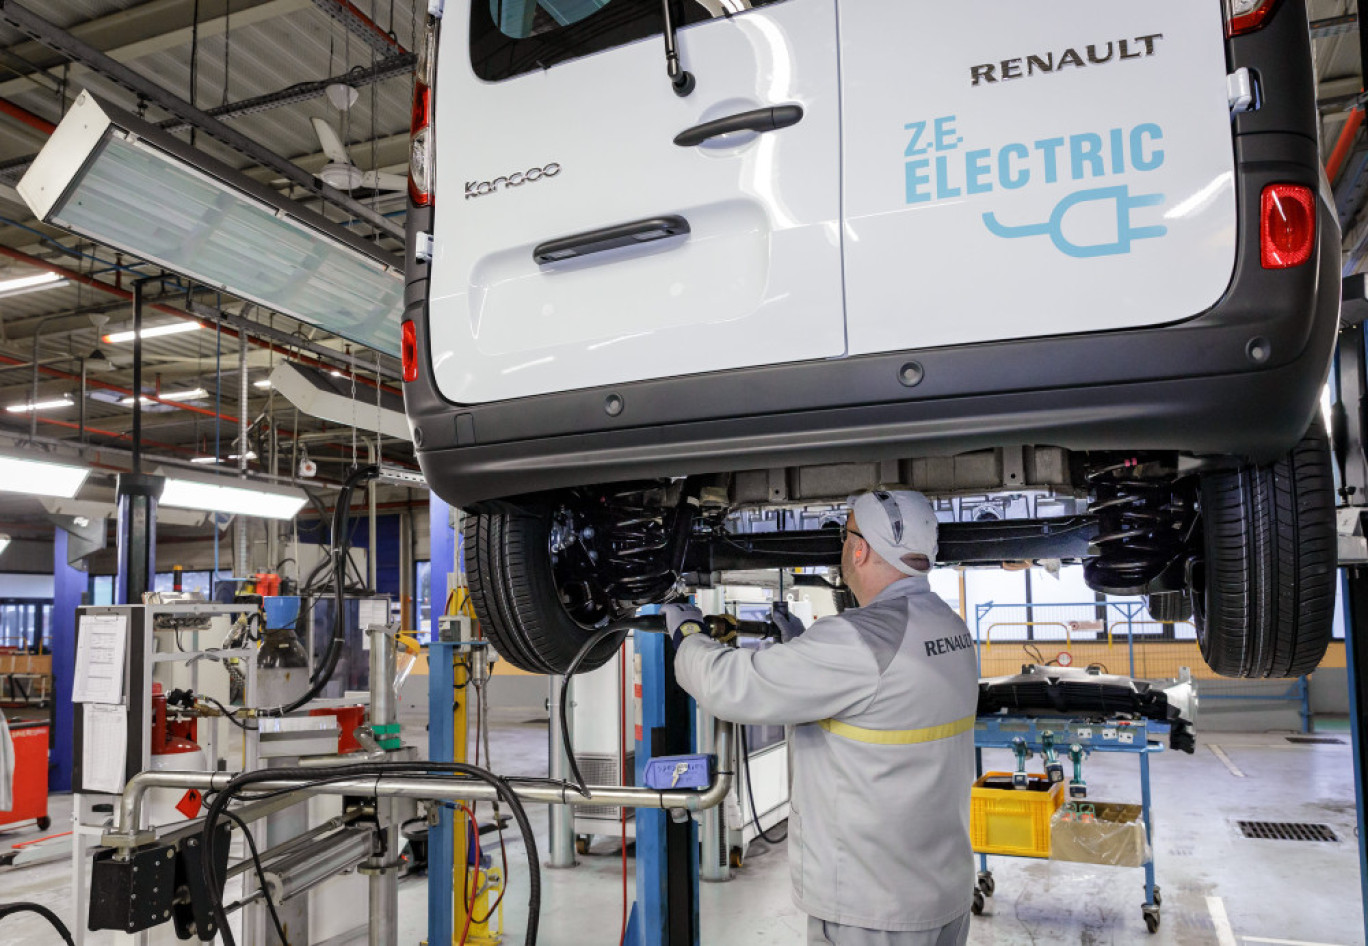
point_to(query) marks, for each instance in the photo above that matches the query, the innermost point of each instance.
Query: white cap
(899, 525)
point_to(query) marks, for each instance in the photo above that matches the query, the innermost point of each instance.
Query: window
(511, 37)
(102, 589)
(422, 599)
(25, 626)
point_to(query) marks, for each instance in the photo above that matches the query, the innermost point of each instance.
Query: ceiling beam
(87, 280)
(61, 40)
(143, 30)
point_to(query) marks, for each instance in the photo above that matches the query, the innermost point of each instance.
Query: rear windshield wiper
(681, 79)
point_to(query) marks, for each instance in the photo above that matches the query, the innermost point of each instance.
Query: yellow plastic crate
(1012, 821)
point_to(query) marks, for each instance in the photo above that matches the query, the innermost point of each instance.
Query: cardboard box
(1116, 837)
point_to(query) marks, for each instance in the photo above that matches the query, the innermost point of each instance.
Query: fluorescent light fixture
(194, 395)
(251, 455)
(155, 331)
(125, 183)
(26, 284)
(40, 477)
(4, 543)
(239, 497)
(53, 404)
(263, 383)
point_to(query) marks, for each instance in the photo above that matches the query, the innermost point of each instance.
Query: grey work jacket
(882, 699)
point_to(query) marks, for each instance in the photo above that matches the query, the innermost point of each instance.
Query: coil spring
(1140, 529)
(639, 540)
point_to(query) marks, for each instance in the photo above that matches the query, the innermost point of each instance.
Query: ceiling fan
(344, 175)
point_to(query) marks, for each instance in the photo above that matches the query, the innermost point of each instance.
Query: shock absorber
(1141, 528)
(647, 541)
(637, 562)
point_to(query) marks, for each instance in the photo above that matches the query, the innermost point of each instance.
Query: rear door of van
(577, 244)
(1016, 169)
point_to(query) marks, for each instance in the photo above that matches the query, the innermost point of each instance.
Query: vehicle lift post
(1347, 431)
(666, 909)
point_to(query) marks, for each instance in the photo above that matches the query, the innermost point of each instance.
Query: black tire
(1265, 592)
(976, 907)
(1169, 607)
(508, 568)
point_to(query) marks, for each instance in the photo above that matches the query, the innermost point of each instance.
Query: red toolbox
(30, 775)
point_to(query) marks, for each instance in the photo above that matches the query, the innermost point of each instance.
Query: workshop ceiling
(261, 66)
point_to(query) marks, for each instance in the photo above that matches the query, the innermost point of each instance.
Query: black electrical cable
(7, 909)
(750, 793)
(340, 549)
(308, 778)
(261, 875)
(565, 704)
(229, 714)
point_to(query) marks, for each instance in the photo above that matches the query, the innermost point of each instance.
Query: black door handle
(609, 238)
(760, 119)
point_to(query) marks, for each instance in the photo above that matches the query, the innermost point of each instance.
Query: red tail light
(408, 351)
(1246, 16)
(1287, 225)
(421, 144)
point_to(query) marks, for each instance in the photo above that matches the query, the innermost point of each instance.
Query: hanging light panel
(118, 180)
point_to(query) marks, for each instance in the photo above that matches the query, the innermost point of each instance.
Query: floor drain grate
(1287, 831)
(1316, 740)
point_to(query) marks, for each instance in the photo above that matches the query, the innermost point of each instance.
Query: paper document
(100, 659)
(104, 747)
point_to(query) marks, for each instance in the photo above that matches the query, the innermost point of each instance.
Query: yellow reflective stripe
(898, 737)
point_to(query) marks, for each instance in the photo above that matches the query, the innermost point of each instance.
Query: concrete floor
(1219, 888)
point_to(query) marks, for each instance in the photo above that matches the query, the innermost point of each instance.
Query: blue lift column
(666, 908)
(1349, 433)
(441, 840)
(441, 722)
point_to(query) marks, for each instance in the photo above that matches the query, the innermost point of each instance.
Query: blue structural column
(68, 584)
(666, 908)
(441, 556)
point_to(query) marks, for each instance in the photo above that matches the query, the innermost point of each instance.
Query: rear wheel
(1264, 591)
(535, 622)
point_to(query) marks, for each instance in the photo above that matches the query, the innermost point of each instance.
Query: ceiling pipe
(124, 294)
(360, 26)
(63, 42)
(98, 432)
(21, 114)
(118, 389)
(1344, 144)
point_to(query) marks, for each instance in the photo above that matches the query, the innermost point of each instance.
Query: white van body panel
(757, 281)
(932, 161)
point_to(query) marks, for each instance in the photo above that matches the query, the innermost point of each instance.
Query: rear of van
(1097, 226)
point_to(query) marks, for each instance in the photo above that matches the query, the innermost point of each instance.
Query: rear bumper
(1242, 379)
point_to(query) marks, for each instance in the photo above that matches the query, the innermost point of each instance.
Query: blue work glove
(789, 625)
(681, 620)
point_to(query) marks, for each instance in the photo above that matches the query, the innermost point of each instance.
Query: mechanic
(882, 698)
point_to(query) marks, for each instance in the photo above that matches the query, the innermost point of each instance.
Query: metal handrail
(988, 638)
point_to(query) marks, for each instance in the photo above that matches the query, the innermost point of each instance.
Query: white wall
(25, 586)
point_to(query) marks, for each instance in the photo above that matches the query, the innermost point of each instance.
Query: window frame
(596, 33)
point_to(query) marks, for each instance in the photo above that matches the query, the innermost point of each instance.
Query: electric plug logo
(1126, 234)
(938, 168)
